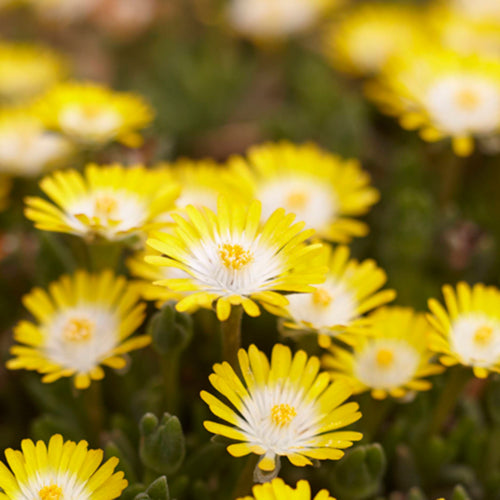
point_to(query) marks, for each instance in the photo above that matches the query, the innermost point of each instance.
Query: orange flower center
(467, 99)
(282, 414)
(297, 200)
(385, 357)
(234, 256)
(52, 492)
(322, 297)
(105, 207)
(483, 335)
(78, 330)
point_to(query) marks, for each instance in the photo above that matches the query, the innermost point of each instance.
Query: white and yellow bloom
(321, 189)
(391, 359)
(467, 330)
(338, 305)
(110, 202)
(61, 470)
(281, 408)
(278, 490)
(82, 322)
(27, 149)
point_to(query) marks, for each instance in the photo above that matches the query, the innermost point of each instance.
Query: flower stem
(104, 256)
(246, 478)
(93, 400)
(457, 378)
(231, 336)
(374, 415)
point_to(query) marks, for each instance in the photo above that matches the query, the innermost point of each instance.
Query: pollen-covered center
(52, 492)
(105, 207)
(467, 99)
(385, 358)
(322, 297)
(78, 330)
(282, 414)
(297, 200)
(234, 256)
(483, 335)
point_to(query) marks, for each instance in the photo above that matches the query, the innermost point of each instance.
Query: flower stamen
(322, 297)
(483, 335)
(467, 99)
(52, 492)
(297, 200)
(78, 330)
(105, 207)
(282, 414)
(385, 357)
(234, 256)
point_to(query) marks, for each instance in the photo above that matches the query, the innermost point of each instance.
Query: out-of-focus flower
(278, 490)
(125, 19)
(281, 408)
(337, 306)
(63, 469)
(486, 10)
(391, 359)
(321, 189)
(64, 11)
(276, 19)
(465, 35)
(26, 70)
(467, 331)
(111, 202)
(232, 259)
(369, 34)
(94, 115)
(82, 322)
(26, 148)
(442, 93)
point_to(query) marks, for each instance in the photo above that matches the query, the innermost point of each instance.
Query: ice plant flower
(82, 322)
(281, 408)
(369, 34)
(391, 359)
(443, 94)
(321, 189)
(232, 259)
(27, 149)
(278, 490)
(63, 469)
(466, 330)
(275, 19)
(17, 60)
(111, 202)
(94, 115)
(338, 305)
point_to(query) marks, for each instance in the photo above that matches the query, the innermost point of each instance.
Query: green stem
(94, 404)
(246, 479)
(374, 415)
(231, 336)
(452, 171)
(457, 378)
(104, 256)
(171, 382)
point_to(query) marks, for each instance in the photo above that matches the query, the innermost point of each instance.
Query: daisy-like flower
(63, 469)
(321, 189)
(232, 259)
(337, 306)
(27, 149)
(369, 34)
(281, 408)
(444, 94)
(17, 60)
(110, 202)
(467, 330)
(391, 360)
(276, 19)
(278, 490)
(94, 115)
(82, 322)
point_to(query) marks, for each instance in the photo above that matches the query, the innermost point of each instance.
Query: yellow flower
(266, 20)
(391, 359)
(26, 70)
(337, 306)
(467, 330)
(111, 202)
(369, 34)
(26, 148)
(444, 94)
(82, 322)
(63, 469)
(94, 115)
(478, 9)
(322, 190)
(281, 408)
(232, 259)
(278, 490)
